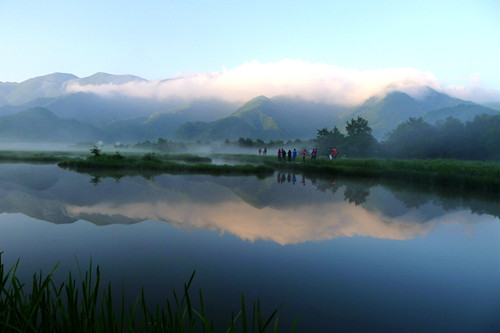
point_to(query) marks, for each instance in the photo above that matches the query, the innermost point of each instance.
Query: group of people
(282, 155)
(292, 154)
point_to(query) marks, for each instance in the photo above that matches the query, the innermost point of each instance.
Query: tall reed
(84, 305)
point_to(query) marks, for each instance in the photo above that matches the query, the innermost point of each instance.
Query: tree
(359, 141)
(451, 141)
(96, 151)
(412, 139)
(483, 135)
(242, 142)
(358, 126)
(329, 139)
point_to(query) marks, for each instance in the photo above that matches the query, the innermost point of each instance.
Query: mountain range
(43, 109)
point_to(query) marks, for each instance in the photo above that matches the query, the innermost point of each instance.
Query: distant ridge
(51, 85)
(464, 112)
(280, 118)
(131, 119)
(385, 114)
(41, 125)
(54, 85)
(105, 78)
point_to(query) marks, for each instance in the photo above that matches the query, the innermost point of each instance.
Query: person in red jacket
(304, 153)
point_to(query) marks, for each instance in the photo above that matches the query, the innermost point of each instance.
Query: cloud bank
(317, 82)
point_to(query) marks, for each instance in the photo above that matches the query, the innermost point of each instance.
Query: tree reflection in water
(356, 194)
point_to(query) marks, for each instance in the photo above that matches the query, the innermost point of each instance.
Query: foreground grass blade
(86, 307)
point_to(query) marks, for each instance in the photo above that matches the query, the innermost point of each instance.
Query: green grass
(58, 156)
(151, 162)
(33, 156)
(474, 175)
(86, 305)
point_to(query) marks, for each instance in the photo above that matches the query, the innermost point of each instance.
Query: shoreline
(474, 175)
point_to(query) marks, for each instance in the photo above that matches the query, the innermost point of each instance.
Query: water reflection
(286, 209)
(446, 281)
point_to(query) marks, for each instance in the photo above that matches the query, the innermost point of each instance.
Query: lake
(345, 255)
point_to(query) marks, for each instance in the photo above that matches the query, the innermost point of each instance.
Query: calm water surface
(346, 256)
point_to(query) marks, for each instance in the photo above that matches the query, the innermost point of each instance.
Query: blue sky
(456, 42)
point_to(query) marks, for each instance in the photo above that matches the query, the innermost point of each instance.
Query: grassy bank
(476, 175)
(87, 306)
(34, 156)
(153, 163)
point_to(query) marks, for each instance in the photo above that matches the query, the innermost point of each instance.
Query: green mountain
(129, 119)
(164, 124)
(264, 118)
(142, 128)
(99, 110)
(385, 114)
(227, 128)
(434, 100)
(247, 121)
(464, 112)
(41, 125)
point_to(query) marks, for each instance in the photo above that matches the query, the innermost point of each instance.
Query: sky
(350, 46)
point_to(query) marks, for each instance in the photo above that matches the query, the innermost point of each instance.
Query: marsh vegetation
(459, 174)
(85, 304)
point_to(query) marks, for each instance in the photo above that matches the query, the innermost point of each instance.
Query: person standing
(289, 155)
(294, 155)
(279, 155)
(304, 153)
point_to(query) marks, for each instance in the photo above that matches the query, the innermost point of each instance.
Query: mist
(316, 82)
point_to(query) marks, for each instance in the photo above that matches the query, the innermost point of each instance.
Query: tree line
(451, 138)
(415, 138)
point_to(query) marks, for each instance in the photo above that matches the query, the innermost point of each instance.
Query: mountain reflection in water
(442, 278)
(286, 209)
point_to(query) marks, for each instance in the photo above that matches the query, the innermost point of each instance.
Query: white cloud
(474, 93)
(311, 81)
(473, 90)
